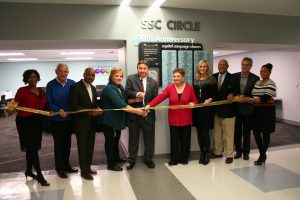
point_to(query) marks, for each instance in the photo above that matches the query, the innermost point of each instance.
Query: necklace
(200, 87)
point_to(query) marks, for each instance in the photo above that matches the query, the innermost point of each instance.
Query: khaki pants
(224, 135)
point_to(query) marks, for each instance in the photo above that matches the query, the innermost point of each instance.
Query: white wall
(285, 73)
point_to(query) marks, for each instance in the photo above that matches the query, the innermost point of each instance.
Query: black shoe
(206, 159)
(71, 170)
(62, 174)
(150, 163)
(216, 156)
(120, 160)
(114, 168)
(237, 155)
(261, 160)
(30, 174)
(130, 165)
(93, 172)
(87, 176)
(41, 180)
(201, 158)
(184, 162)
(246, 156)
(229, 160)
(171, 163)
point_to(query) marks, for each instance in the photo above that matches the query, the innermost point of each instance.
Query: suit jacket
(133, 86)
(229, 85)
(246, 108)
(79, 99)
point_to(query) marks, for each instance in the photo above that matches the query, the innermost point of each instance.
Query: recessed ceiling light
(125, 3)
(157, 3)
(80, 58)
(12, 54)
(77, 53)
(22, 59)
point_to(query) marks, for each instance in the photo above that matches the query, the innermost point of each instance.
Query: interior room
(103, 34)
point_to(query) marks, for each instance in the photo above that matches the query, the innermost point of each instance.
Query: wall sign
(165, 57)
(173, 25)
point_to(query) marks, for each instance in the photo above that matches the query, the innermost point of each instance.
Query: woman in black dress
(205, 88)
(264, 116)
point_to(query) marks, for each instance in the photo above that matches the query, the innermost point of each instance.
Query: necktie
(142, 88)
(219, 82)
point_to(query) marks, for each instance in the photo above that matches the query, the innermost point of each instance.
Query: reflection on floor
(278, 179)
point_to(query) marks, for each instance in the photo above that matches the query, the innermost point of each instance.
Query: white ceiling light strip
(77, 53)
(12, 54)
(79, 58)
(22, 59)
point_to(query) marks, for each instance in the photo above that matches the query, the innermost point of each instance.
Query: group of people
(132, 107)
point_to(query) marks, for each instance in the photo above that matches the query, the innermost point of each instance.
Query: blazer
(246, 109)
(177, 117)
(133, 86)
(229, 86)
(79, 99)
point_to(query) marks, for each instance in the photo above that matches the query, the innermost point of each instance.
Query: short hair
(198, 69)
(269, 66)
(180, 71)
(224, 60)
(61, 64)
(145, 62)
(114, 71)
(249, 60)
(27, 74)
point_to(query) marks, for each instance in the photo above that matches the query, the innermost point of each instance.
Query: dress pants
(180, 143)
(85, 143)
(112, 138)
(62, 132)
(224, 135)
(148, 130)
(242, 132)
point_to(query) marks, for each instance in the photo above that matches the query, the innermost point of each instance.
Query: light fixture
(157, 3)
(79, 58)
(125, 3)
(215, 52)
(77, 53)
(12, 54)
(22, 59)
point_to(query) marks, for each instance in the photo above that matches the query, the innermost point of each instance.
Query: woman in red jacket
(29, 125)
(179, 93)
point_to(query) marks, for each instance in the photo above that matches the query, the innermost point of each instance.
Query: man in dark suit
(243, 120)
(83, 96)
(141, 89)
(225, 114)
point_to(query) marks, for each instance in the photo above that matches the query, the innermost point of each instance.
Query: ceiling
(50, 50)
(274, 7)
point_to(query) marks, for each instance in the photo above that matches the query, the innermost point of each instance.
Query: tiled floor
(278, 179)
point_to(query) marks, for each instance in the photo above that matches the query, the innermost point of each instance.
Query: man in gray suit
(141, 89)
(83, 96)
(243, 120)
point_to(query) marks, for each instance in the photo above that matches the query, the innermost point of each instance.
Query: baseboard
(288, 121)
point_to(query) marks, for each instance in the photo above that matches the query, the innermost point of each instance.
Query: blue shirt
(57, 98)
(111, 98)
